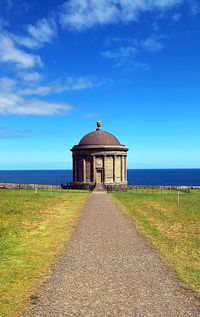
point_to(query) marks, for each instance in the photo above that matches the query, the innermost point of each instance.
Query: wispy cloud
(12, 46)
(89, 115)
(59, 86)
(84, 14)
(19, 98)
(152, 45)
(6, 133)
(121, 52)
(121, 55)
(176, 17)
(126, 55)
(14, 104)
(6, 84)
(22, 94)
(195, 7)
(43, 32)
(116, 40)
(9, 133)
(29, 76)
(3, 24)
(9, 53)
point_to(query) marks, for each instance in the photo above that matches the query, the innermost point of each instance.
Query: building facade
(99, 160)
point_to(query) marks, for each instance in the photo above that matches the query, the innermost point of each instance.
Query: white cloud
(195, 7)
(68, 84)
(120, 53)
(37, 35)
(29, 76)
(152, 45)
(14, 104)
(7, 84)
(155, 27)
(84, 14)
(121, 56)
(80, 14)
(126, 55)
(9, 53)
(19, 97)
(42, 33)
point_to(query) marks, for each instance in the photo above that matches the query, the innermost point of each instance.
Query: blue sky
(133, 64)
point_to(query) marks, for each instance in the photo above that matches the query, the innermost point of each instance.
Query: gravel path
(110, 270)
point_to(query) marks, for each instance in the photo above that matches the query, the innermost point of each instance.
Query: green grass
(34, 230)
(174, 230)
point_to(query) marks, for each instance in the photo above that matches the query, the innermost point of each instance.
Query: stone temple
(99, 160)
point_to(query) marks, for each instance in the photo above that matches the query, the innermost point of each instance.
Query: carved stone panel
(99, 162)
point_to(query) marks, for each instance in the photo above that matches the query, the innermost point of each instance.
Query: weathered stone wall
(27, 186)
(116, 188)
(180, 188)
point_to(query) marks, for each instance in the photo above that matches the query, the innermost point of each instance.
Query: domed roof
(99, 137)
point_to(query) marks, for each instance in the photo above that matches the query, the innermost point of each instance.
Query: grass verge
(34, 230)
(174, 230)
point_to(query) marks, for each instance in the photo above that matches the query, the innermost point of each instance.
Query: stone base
(112, 187)
(87, 186)
(116, 187)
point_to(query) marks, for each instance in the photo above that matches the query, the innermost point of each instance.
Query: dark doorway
(99, 176)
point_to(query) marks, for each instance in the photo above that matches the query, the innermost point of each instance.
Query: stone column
(114, 165)
(84, 170)
(125, 169)
(94, 169)
(122, 168)
(104, 169)
(77, 168)
(74, 167)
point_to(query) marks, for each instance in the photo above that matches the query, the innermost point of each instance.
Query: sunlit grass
(34, 230)
(174, 230)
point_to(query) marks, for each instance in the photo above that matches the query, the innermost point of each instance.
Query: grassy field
(34, 230)
(174, 230)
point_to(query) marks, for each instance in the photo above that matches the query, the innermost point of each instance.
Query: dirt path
(110, 270)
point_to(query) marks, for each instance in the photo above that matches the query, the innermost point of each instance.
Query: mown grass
(174, 230)
(34, 230)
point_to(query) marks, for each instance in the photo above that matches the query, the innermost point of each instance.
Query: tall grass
(34, 230)
(174, 230)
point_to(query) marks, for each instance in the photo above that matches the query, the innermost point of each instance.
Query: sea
(146, 177)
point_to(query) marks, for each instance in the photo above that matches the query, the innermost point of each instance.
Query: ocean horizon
(145, 177)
